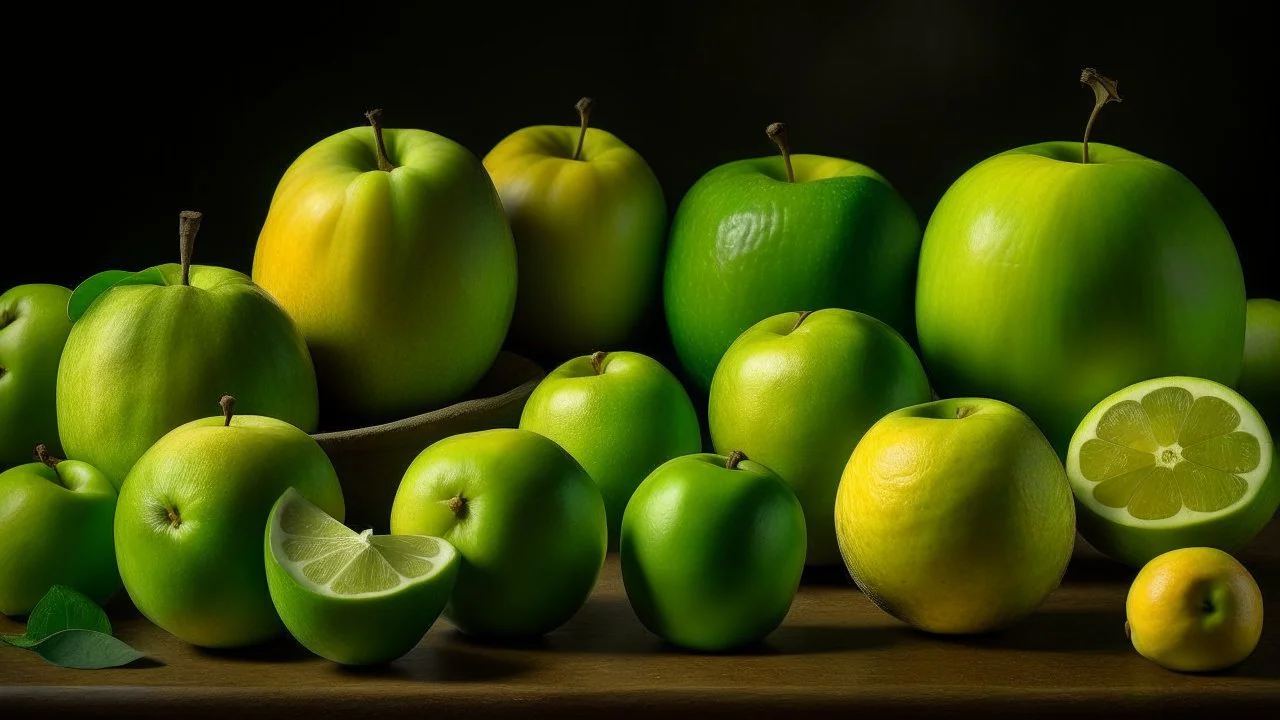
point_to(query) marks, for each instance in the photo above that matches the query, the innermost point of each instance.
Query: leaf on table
(61, 608)
(85, 650)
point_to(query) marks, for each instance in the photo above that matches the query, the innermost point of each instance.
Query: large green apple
(754, 238)
(1260, 376)
(590, 224)
(149, 353)
(712, 551)
(391, 251)
(56, 517)
(620, 415)
(1050, 282)
(191, 519)
(33, 329)
(526, 518)
(796, 392)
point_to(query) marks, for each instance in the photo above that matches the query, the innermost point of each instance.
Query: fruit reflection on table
(1087, 361)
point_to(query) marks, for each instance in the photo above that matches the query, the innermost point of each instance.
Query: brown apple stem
(1105, 90)
(458, 505)
(597, 361)
(734, 458)
(777, 132)
(42, 454)
(375, 119)
(801, 319)
(188, 226)
(584, 116)
(228, 404)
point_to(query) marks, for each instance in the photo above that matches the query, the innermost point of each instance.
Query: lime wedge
(354, 598)
(1170, 463)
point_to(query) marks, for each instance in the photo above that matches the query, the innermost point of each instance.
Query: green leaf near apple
(33, 331)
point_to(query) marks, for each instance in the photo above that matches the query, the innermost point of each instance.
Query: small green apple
(712, 551)
(148, 353)
(590, 224)
(191, 519)
(796, 392)
(33, 328)
(1260, 377)
(754, 238)
(620, 415)
(526, 518)
(56, 517)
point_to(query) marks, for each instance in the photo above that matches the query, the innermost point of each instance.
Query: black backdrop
(204, 108)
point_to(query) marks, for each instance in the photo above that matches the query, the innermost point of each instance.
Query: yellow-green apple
(796, 392)
(391, 251)
(1260, 376)
(620, 415)
(192, 516)
(147, 353)
(590, 223)
(33, 328)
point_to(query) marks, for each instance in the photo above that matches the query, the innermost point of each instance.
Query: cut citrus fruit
(354, 598)
(1171, 463)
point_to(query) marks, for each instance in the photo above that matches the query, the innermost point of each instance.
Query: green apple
(33, 329)
(191, 519)
(390, 250)
(526, 518)
(56, 515)
(1260, 376)
(620, 415)
(150, 351)
(754, 238)
(1055, 274)
(590, 225)
(712, 551)
(796, 392)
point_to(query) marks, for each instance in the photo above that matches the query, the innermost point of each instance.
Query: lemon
(1195, 610)
(354, 598)
(1170, 463)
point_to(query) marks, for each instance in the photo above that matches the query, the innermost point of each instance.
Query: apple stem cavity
(734, 459)
(175, 520)
(583, 107)
(42, 454)
(801, 319)
(228, 404)
(188, 227)
(777, 132)
(1105, 90)
(597, 361)
(375, 119)
(964, 411)
(458, 505)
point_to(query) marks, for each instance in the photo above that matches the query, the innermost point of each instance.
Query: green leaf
(60, 609)
(85, 650)
(92, 288)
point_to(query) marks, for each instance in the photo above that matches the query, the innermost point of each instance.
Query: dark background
(122, 122)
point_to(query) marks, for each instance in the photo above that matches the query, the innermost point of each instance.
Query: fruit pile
(1066, 346)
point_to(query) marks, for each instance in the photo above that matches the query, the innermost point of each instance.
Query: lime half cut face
(1168, 463)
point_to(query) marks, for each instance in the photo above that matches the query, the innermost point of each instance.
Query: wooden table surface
(835, 652)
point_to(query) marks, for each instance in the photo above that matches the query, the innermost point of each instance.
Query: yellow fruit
(1195, 610)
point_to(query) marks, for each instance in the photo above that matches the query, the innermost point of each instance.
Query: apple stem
(42, 454)
(735, 457)
(375, 119)
(597, 361)
(584, 116)
(777, 132)
(801, 319)
(458, 505)
(1105, 90)
(228, 404)
(188, 226)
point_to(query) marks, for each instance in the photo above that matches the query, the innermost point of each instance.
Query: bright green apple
(590, 222)
(56, 517)
(1050, 282)
(620, 415)
(796, 392)
(33, 329)
(390, 250)
(157, 349)
(754, 238)
(191, 519)
(1260, 376)
(712, 551)
(526, 518)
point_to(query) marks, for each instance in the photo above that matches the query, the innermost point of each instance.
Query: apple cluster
(931, 407)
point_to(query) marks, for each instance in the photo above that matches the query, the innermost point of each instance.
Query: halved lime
(1170, 463)
(354, 598)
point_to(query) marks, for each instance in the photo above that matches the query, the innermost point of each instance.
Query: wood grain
(835, 653)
